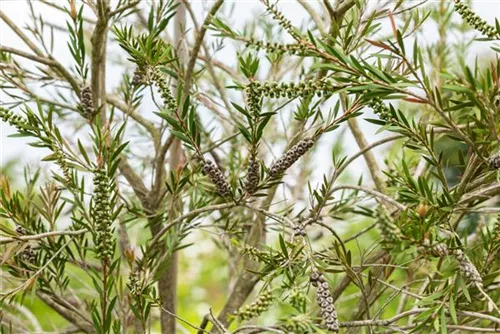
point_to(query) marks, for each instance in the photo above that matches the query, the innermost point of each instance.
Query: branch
(375, 193)
(38, 59)
(134, 181)
(188, 215)
(41, 236)
(128, 110)
(314, 16)
(484, 193)
(196, 48)
(98, 57)
(84, 325)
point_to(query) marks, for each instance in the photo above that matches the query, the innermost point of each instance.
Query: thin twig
(40, 236)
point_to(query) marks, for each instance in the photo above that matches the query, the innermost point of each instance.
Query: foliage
(169, 193)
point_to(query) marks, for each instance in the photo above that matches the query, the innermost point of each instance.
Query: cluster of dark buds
(290, 157)
(253, 176)
(87, 102)
(139, 77)
(297, 324)
(292, 49)
(282, 20)
(467, 268)
(494, 161)
(475, 20)
(21, 230)
(15, 120)
(259, 306)
(28, 254)
(299, 230)
(325, 301)
(102, 215)
(217, 178)
(164, 89)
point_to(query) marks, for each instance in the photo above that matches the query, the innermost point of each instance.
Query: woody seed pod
(87, 102)
(253, 176)
(217, 178)
(290, 157)
(138, 78)
(467, 268)
(325, 301)
(494, 161)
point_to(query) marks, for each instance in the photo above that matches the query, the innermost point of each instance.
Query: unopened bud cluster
(63, 164)
(297, 298)
(291, 90)
(87, 102)
(298, 324)
(102, 215)
(290, 157)
(253, 252)
(390, 232)
(291, 49)
(256, 308)
(325, 301)
(475, 20)
(380, 109)
(164, 89)
(253, 176)
(134, 284)
(494, 161)
(253, 98)
(217, 178)
(282, 20)
(496, 231)
(15, 120)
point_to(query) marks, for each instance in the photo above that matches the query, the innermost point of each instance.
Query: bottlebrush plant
(204, 173)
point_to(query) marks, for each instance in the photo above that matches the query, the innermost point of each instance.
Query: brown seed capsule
(290, 157)
(217, 178)
(467, 268)
(253, 176)
(494, 161)
(87, 102)
(325, 301)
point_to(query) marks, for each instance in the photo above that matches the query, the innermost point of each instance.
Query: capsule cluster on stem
(290, 157)
(325, 301)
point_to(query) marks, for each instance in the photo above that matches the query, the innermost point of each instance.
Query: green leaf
(453, 312)
(283, 246)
